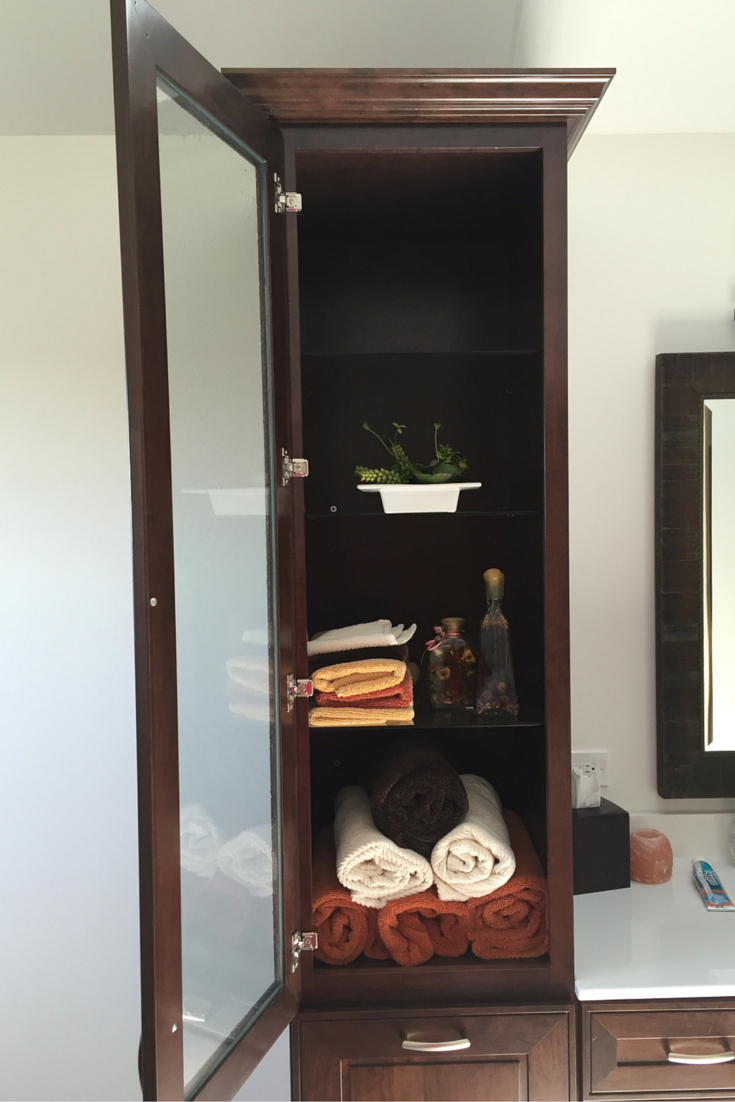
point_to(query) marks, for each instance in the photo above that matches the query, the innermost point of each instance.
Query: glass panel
(718, 557)
(212, 195)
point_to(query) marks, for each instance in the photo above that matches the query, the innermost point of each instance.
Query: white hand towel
(248, 859)
(475, 858)
(378, 633)
(374, 869)
(199, 840)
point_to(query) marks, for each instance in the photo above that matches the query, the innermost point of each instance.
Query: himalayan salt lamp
(651, 857)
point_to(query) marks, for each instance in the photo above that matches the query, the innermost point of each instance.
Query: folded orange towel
(511, 921)
(343, 927)
(395, 696)
(350, 679)
(416, 927)
(360, 717)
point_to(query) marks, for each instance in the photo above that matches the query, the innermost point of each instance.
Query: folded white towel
(475, 858)
(248, 859)
(259, 712)
(199, 839)
(378, 633)
(374, 869)
(252, 674)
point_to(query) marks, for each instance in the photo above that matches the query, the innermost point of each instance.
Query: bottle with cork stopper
(496, 685)
(452, 666)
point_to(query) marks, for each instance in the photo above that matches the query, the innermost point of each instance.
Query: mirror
(695, 568)
(718, 572)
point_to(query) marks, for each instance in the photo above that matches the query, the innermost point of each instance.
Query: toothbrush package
(714, 896)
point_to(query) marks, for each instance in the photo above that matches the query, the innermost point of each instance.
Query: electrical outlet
(593, 762)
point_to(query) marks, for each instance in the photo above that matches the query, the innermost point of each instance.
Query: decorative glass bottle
(496, 685)
(452, 666)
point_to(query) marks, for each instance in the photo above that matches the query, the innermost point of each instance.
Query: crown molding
(411, 97)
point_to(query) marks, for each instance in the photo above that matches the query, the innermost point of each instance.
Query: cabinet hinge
(302, 943)
(297, 688)
(293, 468)
(287, 202)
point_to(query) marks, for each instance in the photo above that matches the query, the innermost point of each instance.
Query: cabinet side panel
(558, 766)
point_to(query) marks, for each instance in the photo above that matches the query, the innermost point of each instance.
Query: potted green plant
(408, 487)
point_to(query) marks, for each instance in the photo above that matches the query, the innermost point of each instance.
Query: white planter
(422, 498)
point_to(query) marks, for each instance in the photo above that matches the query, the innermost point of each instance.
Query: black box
(601, 838)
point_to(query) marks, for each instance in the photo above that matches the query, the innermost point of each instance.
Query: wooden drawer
(513, 1053)
(626, 1049)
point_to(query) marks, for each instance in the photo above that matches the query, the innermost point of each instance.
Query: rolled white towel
(475, 858)
(374, 869)
(199, 840)
(377, 633)
(248, 859)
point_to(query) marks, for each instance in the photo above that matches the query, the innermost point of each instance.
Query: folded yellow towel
(359, 717)
(353, 678)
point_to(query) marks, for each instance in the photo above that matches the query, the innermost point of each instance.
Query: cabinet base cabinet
(658, 1050)
(490, 1055)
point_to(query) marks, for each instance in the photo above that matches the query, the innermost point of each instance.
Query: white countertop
(656, 941)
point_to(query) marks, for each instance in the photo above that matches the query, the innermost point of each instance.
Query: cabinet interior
(421, 300)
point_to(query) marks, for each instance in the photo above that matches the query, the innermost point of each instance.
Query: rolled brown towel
(417, 798)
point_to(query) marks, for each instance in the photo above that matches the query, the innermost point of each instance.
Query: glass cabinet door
(196, 167)
(213, 190)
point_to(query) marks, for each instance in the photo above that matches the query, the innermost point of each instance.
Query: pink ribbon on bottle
(432, 644)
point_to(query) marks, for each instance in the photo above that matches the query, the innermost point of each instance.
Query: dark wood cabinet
(511, 1053)
(674, 1049)
(424, 281)
(428, 274)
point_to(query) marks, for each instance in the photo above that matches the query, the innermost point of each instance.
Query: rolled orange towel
(375, 947)
(511, 921)
(416, 927)
(343, 927)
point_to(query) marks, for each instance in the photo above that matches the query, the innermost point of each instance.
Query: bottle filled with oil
(496, 685)
(452, 666)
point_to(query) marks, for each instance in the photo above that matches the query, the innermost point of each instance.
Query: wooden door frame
(143, 44)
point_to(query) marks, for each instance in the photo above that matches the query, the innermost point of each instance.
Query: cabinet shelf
(441, 964)
(445, 719)
(443, 981)
(430, 352)
(460, 513)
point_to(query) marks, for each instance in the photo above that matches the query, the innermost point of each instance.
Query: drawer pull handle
(437, 1046)
(725, 1057)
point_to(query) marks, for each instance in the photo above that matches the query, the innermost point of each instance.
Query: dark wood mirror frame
(683, 381)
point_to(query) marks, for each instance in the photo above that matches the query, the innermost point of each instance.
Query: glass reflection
(211, 198)
(718, 558)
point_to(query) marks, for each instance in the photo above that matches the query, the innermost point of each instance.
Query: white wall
(69, 983)
(652, 229)
(651, 269)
